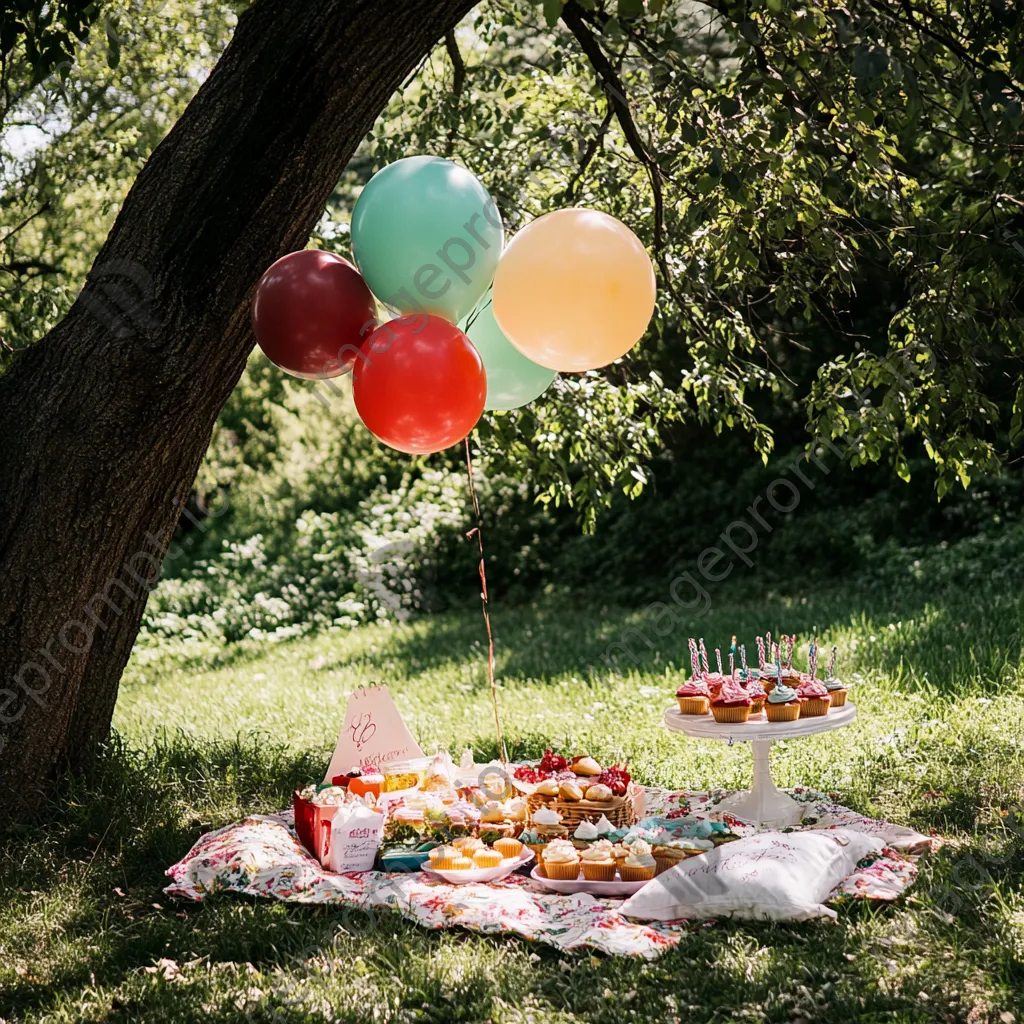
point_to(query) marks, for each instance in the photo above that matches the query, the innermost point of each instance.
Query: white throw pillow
(776, 876)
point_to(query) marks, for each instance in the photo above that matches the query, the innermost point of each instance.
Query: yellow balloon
(574, 290)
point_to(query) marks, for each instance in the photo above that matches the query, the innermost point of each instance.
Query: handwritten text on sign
(373, 731)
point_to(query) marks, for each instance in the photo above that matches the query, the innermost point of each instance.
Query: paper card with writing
(373, 731)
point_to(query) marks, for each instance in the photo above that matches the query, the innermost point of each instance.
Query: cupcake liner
(727, 713)
(460, 864)
(635, 873)
(782, 712)
(445, 863)
(838, 697)
(663, 864)
(566, 871)
(693, 705)
(538, 849)
(487, 858)
(814, 707)
(508, 848)
(598, 871)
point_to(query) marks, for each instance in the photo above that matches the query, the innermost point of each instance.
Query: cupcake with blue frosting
(782, 704)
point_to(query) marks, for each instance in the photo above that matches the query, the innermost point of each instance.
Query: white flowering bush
(338, 569)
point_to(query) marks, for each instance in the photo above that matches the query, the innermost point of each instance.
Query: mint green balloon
(426, 236)
(512, 379)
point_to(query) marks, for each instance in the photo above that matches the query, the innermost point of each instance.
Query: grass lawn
(205, 736)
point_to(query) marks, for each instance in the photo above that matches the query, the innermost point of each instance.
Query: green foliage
(47, 34)
(74, 141)
(336, 570)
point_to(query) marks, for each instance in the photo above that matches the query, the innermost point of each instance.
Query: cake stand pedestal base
(763, 804)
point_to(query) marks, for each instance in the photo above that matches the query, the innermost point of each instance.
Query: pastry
(694, 697)
(586, 834)
(714, 681)
(598, 864)
(509, 848)
(547, 824)
(603, 826)
(782, 704)
(486, 858)
(459, 864)
(639, 864)
(599, 793)
(791, 676)
(561, 860)
(570, 792)
(758, 696)
(442, 857)
(586, 765)
(515, 809)
(666, 857)
(492, 811)
(547, 787)
(731, 704)
(814, 698)
(837, 691)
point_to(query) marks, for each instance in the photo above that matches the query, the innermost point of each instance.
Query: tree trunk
(104, 422)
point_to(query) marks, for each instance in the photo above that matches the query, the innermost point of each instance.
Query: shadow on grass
(951, 643)
(83, 913)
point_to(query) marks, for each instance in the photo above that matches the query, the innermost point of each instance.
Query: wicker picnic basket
(618, 810)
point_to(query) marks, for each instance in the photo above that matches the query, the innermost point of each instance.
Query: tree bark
(104, 422)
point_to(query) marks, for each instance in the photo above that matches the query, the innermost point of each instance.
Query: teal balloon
(426, 236)
(512, 379)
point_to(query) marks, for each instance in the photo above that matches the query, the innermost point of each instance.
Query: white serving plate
(503, 870)
(581, 884)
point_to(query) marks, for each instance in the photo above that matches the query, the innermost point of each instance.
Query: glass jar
(401, 775)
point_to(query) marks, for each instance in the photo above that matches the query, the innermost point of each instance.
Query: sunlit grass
(211, 735)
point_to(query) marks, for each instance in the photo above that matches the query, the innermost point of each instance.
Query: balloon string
(485, 602)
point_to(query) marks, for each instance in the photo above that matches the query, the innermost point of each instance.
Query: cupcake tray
(581, 884)
(503, 870)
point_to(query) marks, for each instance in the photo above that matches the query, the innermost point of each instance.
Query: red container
(305, 818)
(323, 816)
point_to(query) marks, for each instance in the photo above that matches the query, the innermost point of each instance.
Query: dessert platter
(576, 825)
(582, 823)
(760, 706)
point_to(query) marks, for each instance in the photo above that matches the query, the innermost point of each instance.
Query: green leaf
(552, 12)
(631, 8)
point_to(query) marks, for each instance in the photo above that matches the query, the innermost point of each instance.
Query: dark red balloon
(311, 313)
(419, 384)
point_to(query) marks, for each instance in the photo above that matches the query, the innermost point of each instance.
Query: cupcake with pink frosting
(694, 697)
(814, 698)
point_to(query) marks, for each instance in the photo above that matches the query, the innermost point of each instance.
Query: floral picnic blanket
(261, 856)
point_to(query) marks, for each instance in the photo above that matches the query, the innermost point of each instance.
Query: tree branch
(588, 155)
(17, 227)
(24, 266)
(947, 41)
(458, 84)
(572, 15)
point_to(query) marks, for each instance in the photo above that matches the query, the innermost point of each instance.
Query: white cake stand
(763, 804)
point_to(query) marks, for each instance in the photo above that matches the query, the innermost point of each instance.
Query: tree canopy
(830, 193)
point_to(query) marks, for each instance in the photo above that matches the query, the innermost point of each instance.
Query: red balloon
(311, 313)
(419, 384)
